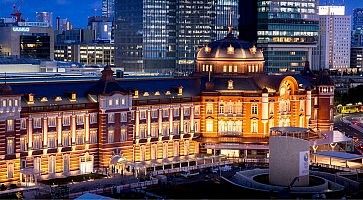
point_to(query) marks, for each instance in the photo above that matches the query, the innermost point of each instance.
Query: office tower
(27, 41)
(45, 17)
(333, 50)
(247, 25)
(358, 18)
(102, 28)
(108, 9)
(63, 24)
(287, 31)
(164, 36)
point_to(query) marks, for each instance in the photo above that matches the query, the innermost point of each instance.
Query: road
(348, 130)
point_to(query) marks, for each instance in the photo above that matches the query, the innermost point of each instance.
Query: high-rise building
(45, 17)
(358, 18)
(102, 28)
(164, 36)
(63, 24)
(108, 9)
(287, 31)
(333, 50)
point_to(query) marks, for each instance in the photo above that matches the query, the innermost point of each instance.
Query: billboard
(304, 160)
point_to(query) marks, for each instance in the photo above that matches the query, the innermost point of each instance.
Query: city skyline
(78, 15)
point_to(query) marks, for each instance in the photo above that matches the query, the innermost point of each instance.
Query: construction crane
(16, 11)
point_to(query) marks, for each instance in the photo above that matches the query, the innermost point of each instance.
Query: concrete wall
(284, 160)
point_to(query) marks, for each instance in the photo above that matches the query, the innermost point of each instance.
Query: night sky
(78, 10)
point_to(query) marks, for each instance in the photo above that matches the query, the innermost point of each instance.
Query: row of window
(165, 150)
(52, 121)
(37, 140)
(165, 129)
(231, 108)
(9, 102)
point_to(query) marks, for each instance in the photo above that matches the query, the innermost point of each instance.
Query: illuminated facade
(63, 128)
(333, 50)
(287, 31)
(89, 54)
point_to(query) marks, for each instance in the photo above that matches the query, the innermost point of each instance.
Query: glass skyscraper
(165, 35)
(108, 8)
(287, 30)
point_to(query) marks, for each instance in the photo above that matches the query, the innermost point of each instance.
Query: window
(196, 126)
(166, 113)
(52, 122)
(254, 109)
(176, 128)
(209, 109)
(154, 113)
(230, 108)
(52, 140)
(37, 141)
(123, 134)
(79, 137)
(221, 108)
(143, 114)
(66, 120)
(51, 164)
(37, 123)
(110, 102)
(110, 136)
(93, 136)
(238, 107)
(36, 164)
(301, 121)
(254, 126)
(224, 68)
(142, 131)
(186, 127)
(124, 117)
(66, 139)
(154, 130)
(186, 111)
(23, 143)
(176, 112)
(176, 148)
(235, 68)
(117, 102)
(165, 129)
(10, 170)
(80, 119)
(93, 118)
(196, 110)
(154, 152)
(165, 150)
(22, 124)
(123, 101)
(209, 125)
(66, 163)
(10, 146)
(10, 125)
(111, 117)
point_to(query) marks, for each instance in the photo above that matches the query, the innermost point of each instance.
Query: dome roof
(230, 48)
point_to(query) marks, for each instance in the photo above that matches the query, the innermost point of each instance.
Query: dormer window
(230, 85)
(230, 49)
(253, 50)
(58, 99)
(146, 94)
(157, 93)
(167, 93)
(44, 99)
(207, 49)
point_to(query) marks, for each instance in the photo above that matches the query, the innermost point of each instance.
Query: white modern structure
(333, 51)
